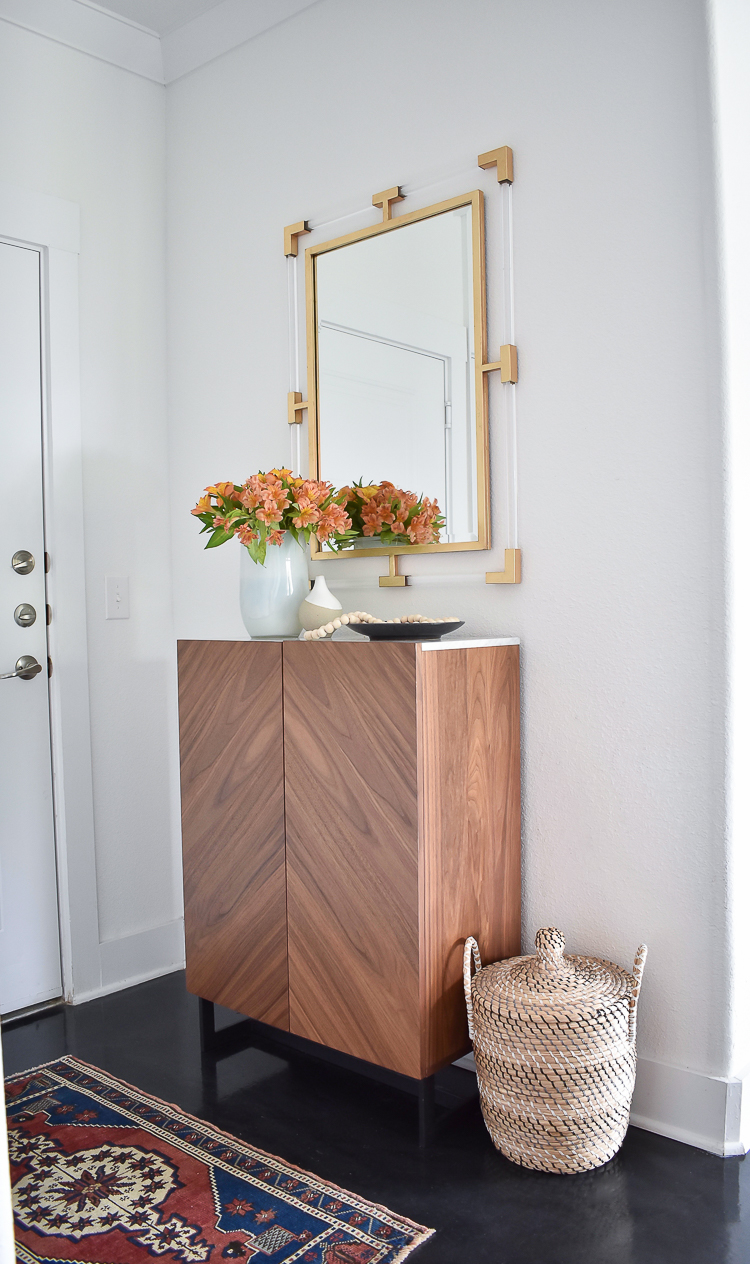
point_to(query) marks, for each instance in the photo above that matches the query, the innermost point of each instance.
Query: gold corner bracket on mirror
(291, 233)
(392, 579)
(512, 572)
(502, 159)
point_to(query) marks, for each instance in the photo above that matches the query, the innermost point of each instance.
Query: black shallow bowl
(405, 631)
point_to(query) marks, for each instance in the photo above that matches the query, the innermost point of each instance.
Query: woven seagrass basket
(554, 1044)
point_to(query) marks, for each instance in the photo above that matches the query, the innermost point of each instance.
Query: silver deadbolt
(26, 668)
(23, 562)
(24, 615)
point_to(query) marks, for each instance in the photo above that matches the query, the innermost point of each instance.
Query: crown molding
(118, 17)
(91, 29)
(220, 29)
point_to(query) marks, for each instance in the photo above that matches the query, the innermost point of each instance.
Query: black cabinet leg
(426, 1110)
(207, 1024)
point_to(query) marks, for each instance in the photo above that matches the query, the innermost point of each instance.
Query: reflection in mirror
(396, 364)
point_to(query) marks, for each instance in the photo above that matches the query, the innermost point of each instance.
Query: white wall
(620, 447)
(82, 130)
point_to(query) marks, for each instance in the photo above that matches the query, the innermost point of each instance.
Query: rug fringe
(18, 1075)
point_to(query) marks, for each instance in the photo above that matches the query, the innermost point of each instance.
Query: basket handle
(471, 947)
(638, 965)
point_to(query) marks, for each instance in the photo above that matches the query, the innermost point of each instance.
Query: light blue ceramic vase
(270, 595)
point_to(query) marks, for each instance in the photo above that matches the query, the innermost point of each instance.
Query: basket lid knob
(550, 946)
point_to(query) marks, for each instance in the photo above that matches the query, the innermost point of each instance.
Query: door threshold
(17, 1016)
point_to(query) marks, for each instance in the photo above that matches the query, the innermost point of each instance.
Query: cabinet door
(352, 848)
(232, 774)
(470, 827)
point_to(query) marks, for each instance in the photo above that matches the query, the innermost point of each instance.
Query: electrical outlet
(116, 597)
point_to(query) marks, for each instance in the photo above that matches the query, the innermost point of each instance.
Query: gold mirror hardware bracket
(295, 406)
(291, 233)
(507, 364)
(500, 158)
(512, 572)
(386, 200)
(392, 579)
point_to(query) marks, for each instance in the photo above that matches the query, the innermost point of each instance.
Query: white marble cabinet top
(471, 643)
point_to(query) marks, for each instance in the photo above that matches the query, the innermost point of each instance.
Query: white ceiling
(159, 16)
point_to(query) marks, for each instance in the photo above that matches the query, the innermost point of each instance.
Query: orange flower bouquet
(395, 516)
(265, 506)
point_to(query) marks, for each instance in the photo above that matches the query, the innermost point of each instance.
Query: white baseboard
(704, 1111)
(138, 958)
(699, 1110)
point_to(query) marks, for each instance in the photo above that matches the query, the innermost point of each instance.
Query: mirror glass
(396, 352)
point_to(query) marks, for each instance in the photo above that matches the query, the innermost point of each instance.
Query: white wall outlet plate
(116, 597)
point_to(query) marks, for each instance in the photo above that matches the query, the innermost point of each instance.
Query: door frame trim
(51, 225)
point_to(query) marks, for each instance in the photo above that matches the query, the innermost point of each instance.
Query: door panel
(29, 934)
(232, 773)
(471, 827)
(352, 848)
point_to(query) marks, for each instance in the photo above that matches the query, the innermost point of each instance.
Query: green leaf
(341, 540)
(255, 552)
(220, 536)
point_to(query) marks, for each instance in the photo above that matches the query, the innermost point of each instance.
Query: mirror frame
(481, 390)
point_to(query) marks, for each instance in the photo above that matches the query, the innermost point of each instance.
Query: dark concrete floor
(656, 1202)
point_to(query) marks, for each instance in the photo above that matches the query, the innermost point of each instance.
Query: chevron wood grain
(470, 829)
(232, 760)
(352, 848)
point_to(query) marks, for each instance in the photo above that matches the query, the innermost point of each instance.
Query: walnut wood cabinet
(351, 812)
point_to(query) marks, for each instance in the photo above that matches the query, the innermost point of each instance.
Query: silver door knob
(24, 615)
(23, 562)
(26, 668)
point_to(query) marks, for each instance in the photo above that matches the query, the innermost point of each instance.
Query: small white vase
(270, 594)
(319, 607)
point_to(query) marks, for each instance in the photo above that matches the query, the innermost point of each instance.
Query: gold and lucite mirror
(396, 339)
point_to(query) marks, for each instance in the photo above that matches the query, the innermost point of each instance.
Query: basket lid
(551, 979)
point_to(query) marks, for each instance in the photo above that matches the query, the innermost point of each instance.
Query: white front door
(29, 933)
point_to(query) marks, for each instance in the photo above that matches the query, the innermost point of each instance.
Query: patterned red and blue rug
(103, 1172)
